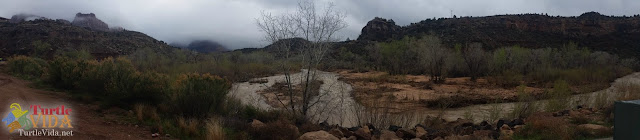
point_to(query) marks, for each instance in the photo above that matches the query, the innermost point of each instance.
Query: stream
(335, 105)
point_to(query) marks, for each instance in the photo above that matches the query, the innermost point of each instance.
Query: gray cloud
(232, 22)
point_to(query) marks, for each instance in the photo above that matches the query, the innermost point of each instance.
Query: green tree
(40, 48)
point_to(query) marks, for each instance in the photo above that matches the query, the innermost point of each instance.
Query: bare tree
(318, 27)
(475, 58)
(434, 57)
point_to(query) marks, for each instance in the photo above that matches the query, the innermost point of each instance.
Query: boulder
(336, 132)
(499, 124)
(586, 111)
(484, 125)
(505, 127)
(346, 132)
(371, 127)
(458, 137)
(517, 127)
(394, 128)
(506, 133)
(574, 113)
(388, 135)
(363, 133)
(485, 134)
(594, 129)
(515, 122)
(256, 124)
(366, 129)
(317, 135)
(405, 133)
(420, 132)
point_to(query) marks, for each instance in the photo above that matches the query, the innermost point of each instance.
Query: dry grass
(214, 131)
(139, 109)
(143, 112)
(629, 90)
(545, 126)
(153, 114)
(494, 111)
(188, 126)
(381, 117)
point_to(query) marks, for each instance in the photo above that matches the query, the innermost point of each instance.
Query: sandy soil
(332, 104)
(410, 92)
(87, 122)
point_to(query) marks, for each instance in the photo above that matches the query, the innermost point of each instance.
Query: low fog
(232, 22)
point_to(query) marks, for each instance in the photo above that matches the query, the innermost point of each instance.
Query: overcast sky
(232, 22)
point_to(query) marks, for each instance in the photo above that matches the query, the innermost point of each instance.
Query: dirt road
(86, 121)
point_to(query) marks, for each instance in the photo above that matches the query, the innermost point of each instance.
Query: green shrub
(65, 73)
(27, 67)
(196, 95)
(118, 83)
(508, 78)
(40, 48)
(558, 96)
(74, 54)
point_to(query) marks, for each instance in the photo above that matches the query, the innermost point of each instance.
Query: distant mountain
(619, 34)
(202, 46)
(17, 38)
(89, 21)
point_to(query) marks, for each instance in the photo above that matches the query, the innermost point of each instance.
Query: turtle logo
(17, 118)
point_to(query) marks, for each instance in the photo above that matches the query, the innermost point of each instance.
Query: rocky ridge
(616, 34)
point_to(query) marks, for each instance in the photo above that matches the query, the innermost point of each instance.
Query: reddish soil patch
(409, 92)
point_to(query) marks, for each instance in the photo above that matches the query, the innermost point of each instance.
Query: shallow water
(336, 106)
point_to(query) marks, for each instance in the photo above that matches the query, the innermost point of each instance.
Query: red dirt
(410, 92)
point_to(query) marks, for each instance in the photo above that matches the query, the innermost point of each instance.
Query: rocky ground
(586, 122)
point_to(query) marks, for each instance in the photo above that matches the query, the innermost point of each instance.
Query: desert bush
(214, 130)
(27, 67)
(188, 127)
(139, 109)
(558, 96)
(494, 112)
(276, 130)
(507, 78)
(196, 95)
(40, 48)
(149, 87)
(73, 54)
(526, 104)
(65, 73)
(118, 78)
(546, 127)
